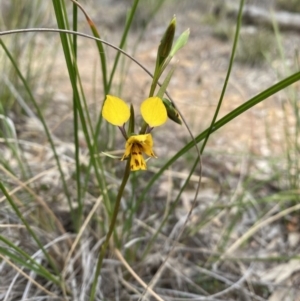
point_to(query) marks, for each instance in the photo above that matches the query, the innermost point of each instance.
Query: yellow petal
(137, 161)
(129, 144)
(134, 139)
(115, 110)
(135, 146)
(127, 151)
(138, 139)
(154, 111)
(145, 141)
(147, 146)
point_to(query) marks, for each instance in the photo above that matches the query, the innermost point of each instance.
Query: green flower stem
(154, 82)
(111, 229)
(143, 128)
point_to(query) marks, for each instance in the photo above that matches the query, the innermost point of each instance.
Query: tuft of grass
(26, 51)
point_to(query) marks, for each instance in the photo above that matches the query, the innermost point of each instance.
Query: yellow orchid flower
(153, 111)
(135, 146)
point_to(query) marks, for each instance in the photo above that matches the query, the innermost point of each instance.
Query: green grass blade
(26, 224)
(72, 70)
(28, 263)
(123, 40)
(108, 86)
(171, 210)
(76, 128)
(36, 106)
(239, 20)
(223, 121)
(99, 44)
(10, 132)
(236, 38)
(33, 266)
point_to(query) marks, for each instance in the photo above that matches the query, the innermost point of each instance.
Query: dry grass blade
(131, 271)
(78, 237)
(28, 277)
(11, 226)
(26, 183)
(38, 199)
(258, 226)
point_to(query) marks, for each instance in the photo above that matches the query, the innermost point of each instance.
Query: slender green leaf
(223, 121)
(28, 227)
(180, 42)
